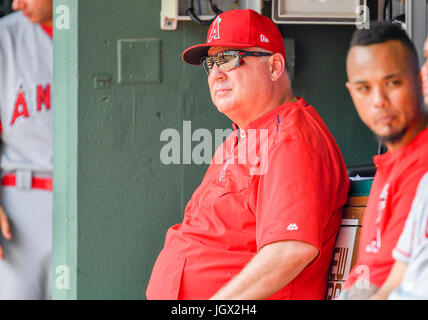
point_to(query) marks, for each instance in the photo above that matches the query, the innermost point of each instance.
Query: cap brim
(194, 54)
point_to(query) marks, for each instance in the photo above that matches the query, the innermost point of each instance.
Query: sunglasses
(228, 60)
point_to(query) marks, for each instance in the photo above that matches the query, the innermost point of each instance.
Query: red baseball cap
(238, 28)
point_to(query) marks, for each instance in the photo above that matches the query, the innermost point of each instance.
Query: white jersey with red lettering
(412, 249)
(26, 65)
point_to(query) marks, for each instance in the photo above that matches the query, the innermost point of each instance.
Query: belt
(9, 180)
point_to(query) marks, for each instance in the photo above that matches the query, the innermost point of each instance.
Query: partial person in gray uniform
(408, 278)
(26, 72)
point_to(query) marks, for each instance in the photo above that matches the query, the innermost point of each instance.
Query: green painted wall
(113, 198)
(320, 77)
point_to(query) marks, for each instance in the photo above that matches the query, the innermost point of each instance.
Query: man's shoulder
(411, 162)
(418, 148)
(423, 187)
(409, 176)
(302, 123)
(424, 181)
(300, 118)
(14, 26)
(13, 21)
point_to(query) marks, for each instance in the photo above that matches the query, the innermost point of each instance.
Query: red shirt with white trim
(393, 189)
(282, 178)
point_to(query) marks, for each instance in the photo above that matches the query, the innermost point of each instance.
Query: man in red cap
(264, 220)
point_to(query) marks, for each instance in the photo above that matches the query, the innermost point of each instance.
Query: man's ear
(348, 86)
(276, 66)
(420, 82)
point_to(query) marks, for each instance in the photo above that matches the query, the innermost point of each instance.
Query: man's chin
(31, 18)
(392, 138)
(34, 18)
(224, 107)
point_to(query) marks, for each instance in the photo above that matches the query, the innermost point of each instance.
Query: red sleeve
(292, 200)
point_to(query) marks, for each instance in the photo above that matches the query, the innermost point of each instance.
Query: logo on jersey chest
(22, 105)
(376, 242)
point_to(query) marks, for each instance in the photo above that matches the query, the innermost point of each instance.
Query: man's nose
(216, 72)
(380, 98)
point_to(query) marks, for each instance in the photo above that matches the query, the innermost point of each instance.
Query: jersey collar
(47, 29)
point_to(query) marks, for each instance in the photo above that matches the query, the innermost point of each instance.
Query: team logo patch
(382, 201)
(20, 108)
(23, 103)
(215, 30)
(376, 242)
(292, 227)
(263, 38)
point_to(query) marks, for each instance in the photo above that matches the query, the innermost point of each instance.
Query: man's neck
(409, 135)
(47, 27)
(245, 119)
(48, 24)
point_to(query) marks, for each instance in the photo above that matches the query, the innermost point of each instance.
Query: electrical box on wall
(320, 11)
(203, 11)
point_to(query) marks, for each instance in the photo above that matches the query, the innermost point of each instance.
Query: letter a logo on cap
(215, 31)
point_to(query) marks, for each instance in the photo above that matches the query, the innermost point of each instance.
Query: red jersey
(296, 192)
(393, 189)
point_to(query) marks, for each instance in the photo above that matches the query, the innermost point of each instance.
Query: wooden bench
(345, 253)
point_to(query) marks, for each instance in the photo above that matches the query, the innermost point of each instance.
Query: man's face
(424, 75)
(234, 91)
(385, 89)
(37, 11)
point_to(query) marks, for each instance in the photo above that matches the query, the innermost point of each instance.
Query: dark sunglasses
(227, 60)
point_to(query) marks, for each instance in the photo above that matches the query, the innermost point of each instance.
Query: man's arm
(272, 268)
(4, 228)
(392, 282)
(359, 292)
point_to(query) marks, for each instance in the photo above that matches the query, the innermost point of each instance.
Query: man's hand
(358, 292)
(272, 268)
(392, 282)
(4, 228)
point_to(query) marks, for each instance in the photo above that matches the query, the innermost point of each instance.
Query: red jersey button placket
(229, 156)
